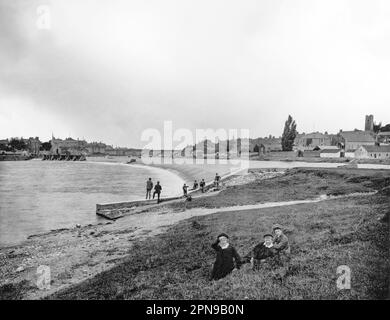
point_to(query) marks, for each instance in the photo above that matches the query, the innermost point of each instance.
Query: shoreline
(87, 214)
(186, 172)
(323, 235)
(78, 254)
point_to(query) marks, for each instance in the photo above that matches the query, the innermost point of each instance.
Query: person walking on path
(185, 187)
(195, 185)
(202, 185)
(227, 258)
(216, 180)
(149, 187)
(157, 189)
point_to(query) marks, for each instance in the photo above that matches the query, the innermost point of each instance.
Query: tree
(289, 134)
(17, 144)
(385, 128)
(5, 147)
(46, 146)
(377, 127)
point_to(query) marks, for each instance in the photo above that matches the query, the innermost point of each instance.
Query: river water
(38, 196)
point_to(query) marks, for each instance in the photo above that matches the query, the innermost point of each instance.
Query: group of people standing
(149, 188)
(201, 185)
(196, 185)
(158, 188)
(274, 245)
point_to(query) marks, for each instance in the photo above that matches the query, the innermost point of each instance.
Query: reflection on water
(37, 196)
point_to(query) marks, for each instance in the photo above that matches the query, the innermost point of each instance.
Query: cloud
(108, 70)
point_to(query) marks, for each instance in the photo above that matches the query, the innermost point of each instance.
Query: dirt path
(74, 255)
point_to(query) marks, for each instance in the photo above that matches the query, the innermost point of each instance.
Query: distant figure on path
(227, 257)
(149, 187)
(261, 252)
(202, 185)
(157, 189)
(185, 187)
(216, 180)
(195, 185)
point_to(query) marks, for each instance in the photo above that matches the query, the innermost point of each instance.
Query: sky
(109, 70)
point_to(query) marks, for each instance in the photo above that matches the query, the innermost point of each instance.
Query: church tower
(369, 125)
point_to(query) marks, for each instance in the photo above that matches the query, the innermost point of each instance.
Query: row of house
(363, 152)
(82, 147)
(233, 147)
(368, 144)
(347, 140)
(356, 144)
(69, 146)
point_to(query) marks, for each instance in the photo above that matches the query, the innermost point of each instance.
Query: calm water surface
(38, 196)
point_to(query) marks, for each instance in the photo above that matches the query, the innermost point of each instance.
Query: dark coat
(149, 185)
(260, 252)
(224, 263)
(157, 188)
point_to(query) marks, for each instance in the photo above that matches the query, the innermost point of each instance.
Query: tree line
(19, 144)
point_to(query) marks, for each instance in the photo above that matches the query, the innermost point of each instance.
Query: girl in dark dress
(224, 263)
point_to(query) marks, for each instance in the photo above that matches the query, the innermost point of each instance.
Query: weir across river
(64, 157)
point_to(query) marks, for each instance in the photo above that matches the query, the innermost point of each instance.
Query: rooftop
(385, 133)
(377, 148)
(357, 136)
(330, 151)
(313, 135)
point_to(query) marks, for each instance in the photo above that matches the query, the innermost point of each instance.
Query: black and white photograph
(181, 150)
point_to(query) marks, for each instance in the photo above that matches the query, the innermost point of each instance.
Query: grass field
(323, 236)
(296, 184)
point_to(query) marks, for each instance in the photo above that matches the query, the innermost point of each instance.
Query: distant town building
(312, 140)
(373, 152)
(326, 148)
(383, 137)
(96, 148)
(352, 140)
(123, 152)
(33, 145)
(265, 145)
(68, 146)
(330, 153)
(3, 143)
(349, 154)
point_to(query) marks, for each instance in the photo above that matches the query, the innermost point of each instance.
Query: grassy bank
(325, 235)
(296, 184)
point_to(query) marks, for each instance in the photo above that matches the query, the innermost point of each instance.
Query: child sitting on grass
(261, 253)
(226, 256)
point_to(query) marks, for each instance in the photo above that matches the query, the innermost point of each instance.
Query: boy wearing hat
(281, 243)
(261, 252)
(227, 257)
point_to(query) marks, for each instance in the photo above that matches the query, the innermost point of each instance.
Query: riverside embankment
(101, 252)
